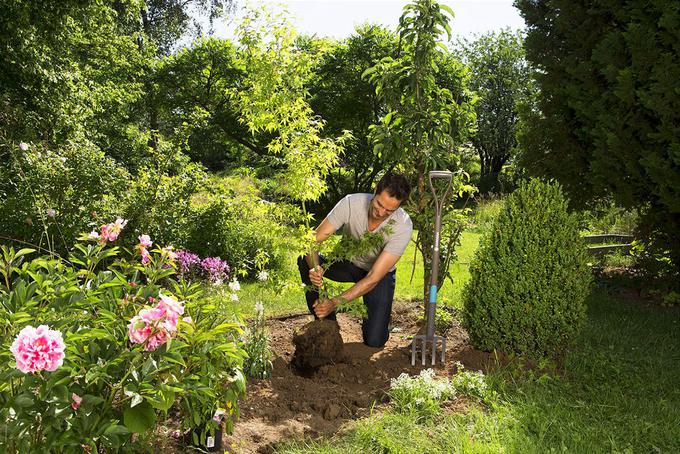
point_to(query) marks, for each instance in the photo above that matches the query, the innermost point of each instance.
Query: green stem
(112, 396)
(323, 292)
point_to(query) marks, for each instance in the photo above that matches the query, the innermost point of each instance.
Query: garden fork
(429, 339)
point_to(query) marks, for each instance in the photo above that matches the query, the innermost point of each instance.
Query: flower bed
(103, 344)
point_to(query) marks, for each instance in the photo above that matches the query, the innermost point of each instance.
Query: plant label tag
(210, 442)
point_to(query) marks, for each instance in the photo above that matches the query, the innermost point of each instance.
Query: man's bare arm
(379, 269)
(381, 266)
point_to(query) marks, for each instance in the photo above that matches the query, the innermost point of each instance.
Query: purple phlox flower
(187, 262)
(215, 268)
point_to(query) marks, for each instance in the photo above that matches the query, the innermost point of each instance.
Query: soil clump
(317, 344)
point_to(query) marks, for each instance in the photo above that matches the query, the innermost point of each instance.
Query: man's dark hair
(395, 184)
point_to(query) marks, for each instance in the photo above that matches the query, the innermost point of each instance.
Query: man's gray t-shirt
(352, 213)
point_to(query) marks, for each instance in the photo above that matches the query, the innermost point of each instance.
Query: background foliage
(606, 122)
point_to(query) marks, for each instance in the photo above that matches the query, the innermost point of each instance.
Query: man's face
(383, 205)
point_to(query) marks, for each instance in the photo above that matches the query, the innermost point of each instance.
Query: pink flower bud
(76, 400)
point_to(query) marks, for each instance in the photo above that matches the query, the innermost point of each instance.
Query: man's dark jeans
(378, 301)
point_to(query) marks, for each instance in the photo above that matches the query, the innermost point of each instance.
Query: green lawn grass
(619, 392)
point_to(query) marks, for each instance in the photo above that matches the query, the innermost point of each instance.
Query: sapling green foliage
(347, 249)
(274, 99)
(426, 125)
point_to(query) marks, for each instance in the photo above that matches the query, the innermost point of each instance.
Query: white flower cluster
(425, 384)
(234, 286)
(470, 383)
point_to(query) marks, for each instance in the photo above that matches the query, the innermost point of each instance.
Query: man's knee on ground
(376, 340)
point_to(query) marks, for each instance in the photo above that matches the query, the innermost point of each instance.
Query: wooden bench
(622, 243)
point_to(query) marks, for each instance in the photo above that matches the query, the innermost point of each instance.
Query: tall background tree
(607, 123)
(500, 76)
(349, 102)
(426, 124)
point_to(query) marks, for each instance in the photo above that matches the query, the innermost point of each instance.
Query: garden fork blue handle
(429, 337)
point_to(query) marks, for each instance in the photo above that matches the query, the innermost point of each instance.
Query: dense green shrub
(158, 201)
(530, 277)
(230, 220)
(50, 195)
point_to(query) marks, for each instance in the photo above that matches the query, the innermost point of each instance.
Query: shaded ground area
(291, 404)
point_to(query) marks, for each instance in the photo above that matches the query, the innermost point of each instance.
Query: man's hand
(323, 307)
(316, 276)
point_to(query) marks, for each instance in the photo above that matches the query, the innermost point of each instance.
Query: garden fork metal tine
(443, 350)
(434, 349)
(422, 340)
(413, 352)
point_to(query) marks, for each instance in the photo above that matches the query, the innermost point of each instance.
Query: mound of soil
(292, 404)
(317, 344)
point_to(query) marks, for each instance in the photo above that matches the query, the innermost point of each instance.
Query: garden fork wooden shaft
(429, 337)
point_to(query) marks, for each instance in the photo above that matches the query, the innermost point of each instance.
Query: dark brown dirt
(317, 344)
(293, 405)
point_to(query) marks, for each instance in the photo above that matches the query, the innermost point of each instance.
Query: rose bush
(119, 344)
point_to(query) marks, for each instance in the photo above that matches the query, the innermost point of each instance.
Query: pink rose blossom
(171, 304)
(37, 349)
(152, 326)
(156, 340)
(138, 330)
(76, 401)
(110, 232)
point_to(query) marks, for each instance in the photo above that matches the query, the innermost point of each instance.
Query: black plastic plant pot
(206, 439)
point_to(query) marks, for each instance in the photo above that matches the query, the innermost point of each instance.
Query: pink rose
(138, 330)
(156, 340)
(110, 232)
(152, 326)
(170, 304)
(37, 349)
(145, 255)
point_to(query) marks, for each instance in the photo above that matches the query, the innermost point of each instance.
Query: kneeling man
(373, 273)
